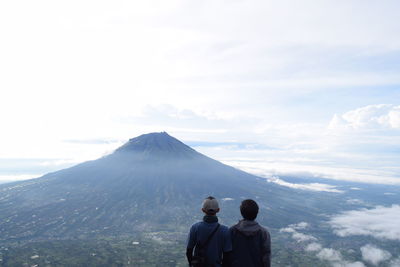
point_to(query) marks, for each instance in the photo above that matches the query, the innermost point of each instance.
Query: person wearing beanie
(208, 242)
(251, 243)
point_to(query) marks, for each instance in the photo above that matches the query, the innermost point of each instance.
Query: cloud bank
(379, 222)
(374, 255)
(311, 186)
(380, 116)
(333, 256)
(299, 237)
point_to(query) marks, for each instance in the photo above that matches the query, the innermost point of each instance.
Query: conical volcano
(154, 182)
(158, 145)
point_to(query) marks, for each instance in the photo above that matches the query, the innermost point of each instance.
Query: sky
(301, 88)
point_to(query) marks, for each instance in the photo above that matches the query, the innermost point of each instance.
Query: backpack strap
(209, 237)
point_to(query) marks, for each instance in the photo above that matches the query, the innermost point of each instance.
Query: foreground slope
(152, 183)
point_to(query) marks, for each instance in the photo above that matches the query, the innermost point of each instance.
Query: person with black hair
(209, 240)
(251, 243)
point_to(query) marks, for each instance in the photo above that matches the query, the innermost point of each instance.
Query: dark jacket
(251, 245)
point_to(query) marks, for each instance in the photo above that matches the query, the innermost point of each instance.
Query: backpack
(247, 250)
(200, 259)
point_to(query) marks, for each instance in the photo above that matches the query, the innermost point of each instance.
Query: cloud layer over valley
(379, 222)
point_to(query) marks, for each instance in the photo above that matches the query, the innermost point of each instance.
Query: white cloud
(287, 230)
(369, 117)
(313, 247)
(227, 199)
(293, 227)
(21, 177)
(355, 188)
(336, 259)
(329, 254)
(374, 255)
(300, 237)
(310, 186)
(349, 264)
(284, 163)
(379, 222)
(395, 262)
(333, 256)
(301, 225)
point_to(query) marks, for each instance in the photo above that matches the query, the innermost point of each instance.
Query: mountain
(154, 182)
(149, 191)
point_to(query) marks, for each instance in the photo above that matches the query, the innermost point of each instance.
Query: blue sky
(278, 87)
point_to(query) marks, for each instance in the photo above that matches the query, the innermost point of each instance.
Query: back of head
(210, 205)
(249, 209)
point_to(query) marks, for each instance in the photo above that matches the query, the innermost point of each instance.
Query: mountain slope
(152, 183)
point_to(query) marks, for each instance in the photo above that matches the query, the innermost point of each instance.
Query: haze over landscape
(300, 98)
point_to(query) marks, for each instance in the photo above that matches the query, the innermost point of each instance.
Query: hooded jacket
(251, 245)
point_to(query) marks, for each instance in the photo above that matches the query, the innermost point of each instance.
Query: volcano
(154, 182)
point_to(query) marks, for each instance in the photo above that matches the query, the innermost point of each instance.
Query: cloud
(60, 162)
(230, 145)
(395, 262)
(293, 227)
(227, 199)
(355, 188)
(313, 247)
(380, 222)
(329, 254)
(310, 186)
(21, 177)
(287, 230)
(333, 256)
(301, 225)
(374, 255)
(369, 117)
(287, 163)
(92, 141)
(349, 264)
(299, 237)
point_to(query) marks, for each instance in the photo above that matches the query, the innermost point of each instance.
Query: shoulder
(223, 227)
(233, 228)
(264, 232)
(195, 226)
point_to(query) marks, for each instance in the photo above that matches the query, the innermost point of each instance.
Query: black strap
(209, 237)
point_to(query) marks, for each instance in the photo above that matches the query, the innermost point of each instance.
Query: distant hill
(154, 182)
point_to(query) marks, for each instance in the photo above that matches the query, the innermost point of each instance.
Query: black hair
(249, 209)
